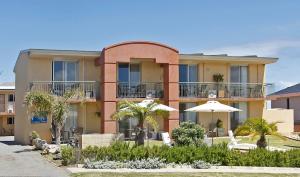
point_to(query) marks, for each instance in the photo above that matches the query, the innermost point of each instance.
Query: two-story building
(134, 71)
(7, 108)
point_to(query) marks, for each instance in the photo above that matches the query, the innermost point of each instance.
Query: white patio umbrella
(213, 106)
(158, 106)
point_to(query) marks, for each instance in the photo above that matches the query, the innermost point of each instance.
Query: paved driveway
(17, 160)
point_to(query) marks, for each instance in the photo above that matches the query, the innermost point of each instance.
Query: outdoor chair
(233, 144)
(166, 139)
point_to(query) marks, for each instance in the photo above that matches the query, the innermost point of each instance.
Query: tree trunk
(140, 134)
(262, 143)
(57, 135)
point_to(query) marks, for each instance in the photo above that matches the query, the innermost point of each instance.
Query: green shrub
(217, 155)
(68, 155)
(188, 134)
(34, 135)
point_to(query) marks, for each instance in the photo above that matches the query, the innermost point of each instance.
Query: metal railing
(222, 90)
(139, 90)
(90, 89)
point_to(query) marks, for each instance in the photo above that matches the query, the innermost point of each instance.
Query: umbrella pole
(212, 137)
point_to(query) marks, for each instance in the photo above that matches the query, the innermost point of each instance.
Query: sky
(253, 27)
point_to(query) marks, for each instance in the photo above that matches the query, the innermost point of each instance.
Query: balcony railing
(140, 90)
(90, 89)
(222, 90)
(7, 107)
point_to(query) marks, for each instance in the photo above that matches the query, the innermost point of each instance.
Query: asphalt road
(18, 160)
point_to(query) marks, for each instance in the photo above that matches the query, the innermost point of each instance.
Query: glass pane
(193, 73)
(235, 74)
(244, 113)
(71, 71)
(135, 74)
(123, 73)
(183, 73)
(244, 74)
(187, 116)
(238, 118)
(58, 71)
(182, 107)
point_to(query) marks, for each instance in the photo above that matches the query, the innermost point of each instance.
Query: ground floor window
(10, 120)
(237, 118)
(187, 116)
(127, 127)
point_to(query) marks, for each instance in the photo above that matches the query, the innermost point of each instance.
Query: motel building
(134, 71)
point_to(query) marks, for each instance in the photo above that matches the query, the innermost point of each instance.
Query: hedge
(217, 154)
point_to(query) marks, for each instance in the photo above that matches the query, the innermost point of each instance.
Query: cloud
(267, 49)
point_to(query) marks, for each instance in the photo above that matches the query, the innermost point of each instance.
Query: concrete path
(17, 160)
(216, 169)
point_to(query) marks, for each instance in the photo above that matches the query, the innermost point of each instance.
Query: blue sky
(264, 28)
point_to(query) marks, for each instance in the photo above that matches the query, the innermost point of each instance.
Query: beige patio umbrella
(213, 106)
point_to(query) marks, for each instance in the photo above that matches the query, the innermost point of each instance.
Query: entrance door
(71, 122)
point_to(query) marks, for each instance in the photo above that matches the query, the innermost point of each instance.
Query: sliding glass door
(238, 80)
(188, 78)
(238, 118)
(187, 116)
(65, 71)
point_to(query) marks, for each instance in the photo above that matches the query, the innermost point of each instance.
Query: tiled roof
(291, 89)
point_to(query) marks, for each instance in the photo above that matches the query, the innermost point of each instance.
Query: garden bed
(217, 154)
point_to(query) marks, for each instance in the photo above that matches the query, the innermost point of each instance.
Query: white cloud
(268, 49)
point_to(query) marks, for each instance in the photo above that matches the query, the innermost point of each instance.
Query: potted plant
(220, 129)
(219, 78)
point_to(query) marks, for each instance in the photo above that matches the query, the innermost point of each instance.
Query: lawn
(271, 140)
(182, 174)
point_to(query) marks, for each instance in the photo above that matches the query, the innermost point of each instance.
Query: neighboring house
(7, 108)
(134, 71)
(288, 98)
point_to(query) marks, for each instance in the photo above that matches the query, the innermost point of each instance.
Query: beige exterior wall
(151, 72)
(39, 68)
(284, 116)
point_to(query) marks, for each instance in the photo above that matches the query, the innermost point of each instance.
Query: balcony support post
(171, 97)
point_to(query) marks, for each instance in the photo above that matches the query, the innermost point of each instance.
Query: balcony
(90, 89)
(140, 90)
(7, 109)
(221, 90)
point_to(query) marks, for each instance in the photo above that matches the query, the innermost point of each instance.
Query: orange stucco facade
(123, 53)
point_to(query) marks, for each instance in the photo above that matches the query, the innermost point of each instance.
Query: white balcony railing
(90, 89)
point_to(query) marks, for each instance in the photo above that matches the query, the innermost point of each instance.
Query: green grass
(182, 174)
(272, 141)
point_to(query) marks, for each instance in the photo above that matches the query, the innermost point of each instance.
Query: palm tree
(44, 104)
(131, 110)
(258, 127)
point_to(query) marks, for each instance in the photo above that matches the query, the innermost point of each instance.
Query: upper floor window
(188, 73)
(239, 74)
(65, 70)
(129, 73)
(11, 97)
(10, 120)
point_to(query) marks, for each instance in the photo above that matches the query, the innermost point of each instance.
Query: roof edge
(140, 42)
